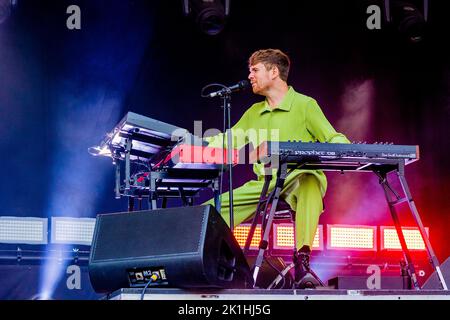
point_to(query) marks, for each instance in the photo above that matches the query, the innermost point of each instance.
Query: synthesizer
(334, 156)
(187, 155)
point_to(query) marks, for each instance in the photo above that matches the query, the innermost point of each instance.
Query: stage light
(23, 230)
(241, 233)
(284, 238)
(100, 151)
(413, 239)
(407, 17)
(210, 15)
(72, 230)
(351, 237)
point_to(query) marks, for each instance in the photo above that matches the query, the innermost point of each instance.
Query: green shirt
(297, 117)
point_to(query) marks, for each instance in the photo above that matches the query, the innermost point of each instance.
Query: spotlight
(407, 18)
(210, 15)
(41, 296)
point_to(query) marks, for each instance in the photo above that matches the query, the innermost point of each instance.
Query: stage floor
(277, 294)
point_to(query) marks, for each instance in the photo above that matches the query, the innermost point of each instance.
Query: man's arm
(238, 135)
(319, 127)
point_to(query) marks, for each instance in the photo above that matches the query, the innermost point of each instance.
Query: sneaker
(305, 278)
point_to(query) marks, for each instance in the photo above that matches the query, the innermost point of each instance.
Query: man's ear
(275, 72)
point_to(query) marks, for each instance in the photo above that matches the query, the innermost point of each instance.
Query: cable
(277, 270)
(153, 278)
(283, 273)
(291, 279)
(211, 85)
(141, 164)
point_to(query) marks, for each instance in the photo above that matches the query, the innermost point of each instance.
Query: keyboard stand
(267, 224)
(392, 203)
(182, 183)
(381, 167)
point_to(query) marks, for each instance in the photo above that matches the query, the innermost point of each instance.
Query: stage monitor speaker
(433, 280)
(185, 247)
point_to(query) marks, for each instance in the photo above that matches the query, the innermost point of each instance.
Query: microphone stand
(226, 97)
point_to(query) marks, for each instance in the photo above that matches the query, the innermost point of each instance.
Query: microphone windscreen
(244, 84)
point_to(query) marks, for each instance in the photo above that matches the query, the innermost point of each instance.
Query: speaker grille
(133, 238)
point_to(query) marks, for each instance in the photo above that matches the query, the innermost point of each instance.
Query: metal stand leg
(130, 204)
(433, 259)
(408, 198)
(405, 275)
(251, 232)
(281, 176)
(152, 192)
(216, 192)
(391, 203)
(117, 186)
(127, 165)
(183, 196)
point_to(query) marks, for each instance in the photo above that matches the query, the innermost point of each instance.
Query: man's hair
(272, 58)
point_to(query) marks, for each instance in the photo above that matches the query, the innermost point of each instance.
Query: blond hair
(272, 58)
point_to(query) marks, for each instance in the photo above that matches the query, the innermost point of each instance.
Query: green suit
(299, 118)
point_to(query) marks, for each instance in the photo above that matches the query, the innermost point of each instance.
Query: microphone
(241, 85)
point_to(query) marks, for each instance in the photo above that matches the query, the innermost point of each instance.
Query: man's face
(260, 78)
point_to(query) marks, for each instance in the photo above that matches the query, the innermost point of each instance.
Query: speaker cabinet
(185, 247)
(433, 281)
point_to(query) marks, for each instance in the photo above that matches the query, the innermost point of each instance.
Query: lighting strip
(284, 237)
(26, 230)
(413, 238)
(351, 237)
(72, 230)
(241, 233)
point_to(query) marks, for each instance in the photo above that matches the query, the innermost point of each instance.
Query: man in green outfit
(284, 115)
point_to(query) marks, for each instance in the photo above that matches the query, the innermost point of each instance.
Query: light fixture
(210, 15)
(241, 232)
(407, 17)
(72, 230)
(413, 239)
(351, 237)
(25, 230)
(284, 237)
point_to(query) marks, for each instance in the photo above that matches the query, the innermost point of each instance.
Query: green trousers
(302, 193)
